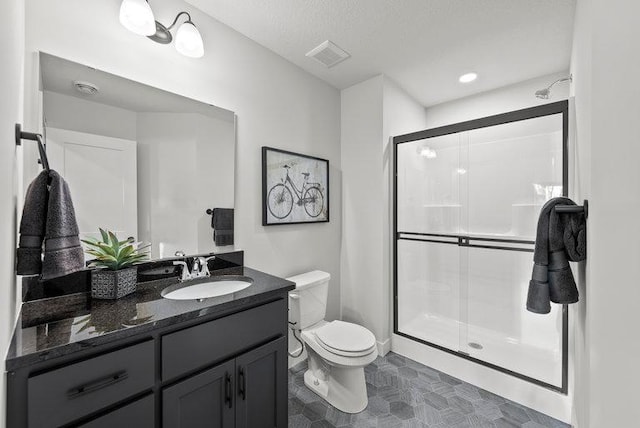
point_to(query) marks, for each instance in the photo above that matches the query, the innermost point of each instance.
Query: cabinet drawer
(200, 346)
(139, 414)
(71, 392)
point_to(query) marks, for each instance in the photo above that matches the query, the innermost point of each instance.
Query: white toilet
(338, 351)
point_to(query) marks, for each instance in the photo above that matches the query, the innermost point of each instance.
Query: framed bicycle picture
(295, 188)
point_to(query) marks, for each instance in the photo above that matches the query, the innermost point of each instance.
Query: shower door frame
(559, 107)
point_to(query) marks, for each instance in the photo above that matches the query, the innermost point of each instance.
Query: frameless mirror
(139, 161)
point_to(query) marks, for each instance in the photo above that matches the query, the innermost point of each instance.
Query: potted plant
(116, 275)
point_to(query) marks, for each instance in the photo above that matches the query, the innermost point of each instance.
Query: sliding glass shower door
(467, 199)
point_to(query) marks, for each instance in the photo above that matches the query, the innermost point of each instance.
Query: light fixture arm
(175, 21)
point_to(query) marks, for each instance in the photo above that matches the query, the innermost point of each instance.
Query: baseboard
(384, 347)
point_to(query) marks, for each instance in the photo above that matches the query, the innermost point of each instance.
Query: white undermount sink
(214, 287)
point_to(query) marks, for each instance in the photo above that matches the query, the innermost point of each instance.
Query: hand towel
(559, 238)
(32, 227)
(222, 224)
(63, 253)
(48, 216)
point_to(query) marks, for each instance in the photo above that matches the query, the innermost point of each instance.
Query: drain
(475, 345)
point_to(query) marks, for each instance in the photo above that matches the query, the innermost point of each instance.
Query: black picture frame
(295, 188)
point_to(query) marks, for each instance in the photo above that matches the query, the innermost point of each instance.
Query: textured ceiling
(423, 45)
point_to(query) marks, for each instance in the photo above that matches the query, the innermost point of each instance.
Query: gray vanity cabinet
(262, 387)
(201, 401)
(228, 370)
(249, 391)
(139, 414)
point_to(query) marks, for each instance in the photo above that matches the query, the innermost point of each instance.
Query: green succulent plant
(110, 253)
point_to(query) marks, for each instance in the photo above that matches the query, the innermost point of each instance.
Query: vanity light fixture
(468, 77)
(135, 15)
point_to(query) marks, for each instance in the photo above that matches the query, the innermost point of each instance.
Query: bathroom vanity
(146, 361)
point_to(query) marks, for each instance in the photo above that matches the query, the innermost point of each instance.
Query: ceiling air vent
(328, 54)
(86, 88)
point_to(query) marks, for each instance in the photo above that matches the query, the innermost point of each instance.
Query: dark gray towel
(222, 224)
(32, 227)
(559, 238)
(223, 237)
(49, 215)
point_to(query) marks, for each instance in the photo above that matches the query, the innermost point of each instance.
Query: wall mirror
(139, 160)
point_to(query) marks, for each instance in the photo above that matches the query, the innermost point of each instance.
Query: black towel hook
(21, 135)
(584, 208)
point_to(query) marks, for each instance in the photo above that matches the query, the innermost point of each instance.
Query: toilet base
(343, 388)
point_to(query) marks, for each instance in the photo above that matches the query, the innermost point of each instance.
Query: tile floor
(403, 393)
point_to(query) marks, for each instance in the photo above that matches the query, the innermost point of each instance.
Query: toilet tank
(308, 302)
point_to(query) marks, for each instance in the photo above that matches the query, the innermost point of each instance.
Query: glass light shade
(189, 41)
(137, 17)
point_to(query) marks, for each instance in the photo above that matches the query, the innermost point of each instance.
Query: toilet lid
(345, 337)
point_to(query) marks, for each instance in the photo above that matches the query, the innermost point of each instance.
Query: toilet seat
(345, 339)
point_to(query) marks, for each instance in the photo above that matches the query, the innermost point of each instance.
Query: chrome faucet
(199, 268)
(203, 266)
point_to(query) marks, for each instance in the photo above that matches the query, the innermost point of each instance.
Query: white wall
(12, 54)
(277, 105)
(363, 207)
(372, 111)
(401, 115)
(605, 63)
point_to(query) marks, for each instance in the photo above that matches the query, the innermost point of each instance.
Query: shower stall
(466, 203)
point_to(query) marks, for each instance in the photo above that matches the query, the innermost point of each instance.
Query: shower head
(545, 93)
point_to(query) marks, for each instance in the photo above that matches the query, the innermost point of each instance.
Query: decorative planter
(113, 284)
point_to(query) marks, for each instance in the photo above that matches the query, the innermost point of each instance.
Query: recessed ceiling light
(428, 153)
(469, 77)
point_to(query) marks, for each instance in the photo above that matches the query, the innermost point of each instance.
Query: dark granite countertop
(88, 323)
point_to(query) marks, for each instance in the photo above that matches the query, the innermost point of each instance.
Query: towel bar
(21, 135)
(562, 209)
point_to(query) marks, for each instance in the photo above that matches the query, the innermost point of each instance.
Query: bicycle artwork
(295, 188)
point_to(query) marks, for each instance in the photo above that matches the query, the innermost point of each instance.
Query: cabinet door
(139, 414)
(262, 387)
(204, 400)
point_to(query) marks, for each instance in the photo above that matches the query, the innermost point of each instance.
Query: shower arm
(564, 79)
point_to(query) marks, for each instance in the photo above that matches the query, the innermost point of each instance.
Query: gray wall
(605, 65)
(12, 54)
